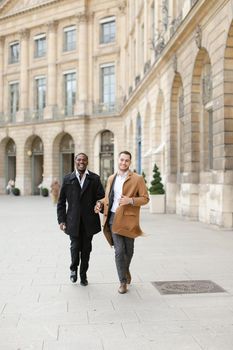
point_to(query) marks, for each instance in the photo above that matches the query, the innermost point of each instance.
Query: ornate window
(108, 85)
(107, 30)
(40, 45)
(14, 99)
(69, 38)
(70, 92)
(40, 95)
(14, 52)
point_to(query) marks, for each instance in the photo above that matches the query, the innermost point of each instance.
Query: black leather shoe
(84, 283)
(73, 276)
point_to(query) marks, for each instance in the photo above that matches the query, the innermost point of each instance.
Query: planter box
(157, 203)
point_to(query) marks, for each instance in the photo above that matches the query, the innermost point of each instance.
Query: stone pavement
(41, 310)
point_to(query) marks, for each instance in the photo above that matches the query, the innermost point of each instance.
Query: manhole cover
(187, 287)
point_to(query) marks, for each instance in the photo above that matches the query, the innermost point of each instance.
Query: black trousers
(80, 249)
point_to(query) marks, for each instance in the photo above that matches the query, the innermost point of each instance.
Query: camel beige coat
(126, 220)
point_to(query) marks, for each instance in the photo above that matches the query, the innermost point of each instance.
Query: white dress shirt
(118, 185)
(81, 181)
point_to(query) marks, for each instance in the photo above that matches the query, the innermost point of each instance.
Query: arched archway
(106, 155)
(63, 155)
(176, 157)
(66, 155)
(37, 164)
(201, 146)
(7, 162)
(33, 164)
(227, 149)
(10, 160)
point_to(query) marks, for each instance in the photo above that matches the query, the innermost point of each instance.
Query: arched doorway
(139, 145)
(66, 155)
(10, 161)
(106, 155)
(37, 164)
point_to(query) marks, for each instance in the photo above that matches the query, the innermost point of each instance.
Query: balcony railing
(137, 79)
(7, 119)
(147, 66)
(101, 108)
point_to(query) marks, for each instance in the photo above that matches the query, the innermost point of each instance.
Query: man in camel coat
(125, 193)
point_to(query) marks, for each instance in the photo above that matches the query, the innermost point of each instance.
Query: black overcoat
(75, 203)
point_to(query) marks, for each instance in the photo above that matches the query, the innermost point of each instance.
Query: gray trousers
(124, 248)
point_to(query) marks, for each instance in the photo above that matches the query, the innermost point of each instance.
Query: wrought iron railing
(147, 66)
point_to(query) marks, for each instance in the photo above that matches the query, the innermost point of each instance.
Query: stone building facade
(154, 77)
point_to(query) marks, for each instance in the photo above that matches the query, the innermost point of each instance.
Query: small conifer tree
(144, 177)
(156, 184)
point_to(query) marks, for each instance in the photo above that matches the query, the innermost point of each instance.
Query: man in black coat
(75, 212)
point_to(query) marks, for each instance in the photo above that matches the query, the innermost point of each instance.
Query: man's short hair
(126, 152)
(83, 154)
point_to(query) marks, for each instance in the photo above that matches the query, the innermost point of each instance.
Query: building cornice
(26, 10)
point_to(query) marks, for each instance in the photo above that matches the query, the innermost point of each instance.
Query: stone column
(51, 105)
(1, 74)
(82, 76)
(23, 88)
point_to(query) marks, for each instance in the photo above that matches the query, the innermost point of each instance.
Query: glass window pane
(14, 53)
(108, 32)
(70, 93)
(40, 47)
(70, 40)
(40, 96)
(14, 98)
(108, 85)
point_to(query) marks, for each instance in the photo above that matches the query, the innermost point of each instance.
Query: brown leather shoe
(123, 288)
(128, 277)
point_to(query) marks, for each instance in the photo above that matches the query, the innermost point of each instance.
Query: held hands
(98, 207)
(124, 200)
(62, 226)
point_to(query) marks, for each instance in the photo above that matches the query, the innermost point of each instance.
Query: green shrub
(144, 177)
(16, 191)
(44, 192)
(156, 184)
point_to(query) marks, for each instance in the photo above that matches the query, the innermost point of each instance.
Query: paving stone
(41, 310)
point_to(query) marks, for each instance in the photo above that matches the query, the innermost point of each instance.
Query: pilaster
(81, 106)
(51, 105)
(1, 73)
(24, 81)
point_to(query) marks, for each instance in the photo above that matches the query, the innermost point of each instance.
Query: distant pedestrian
(75, 210)
(10, 186)
(55, 190)
(125, 193)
